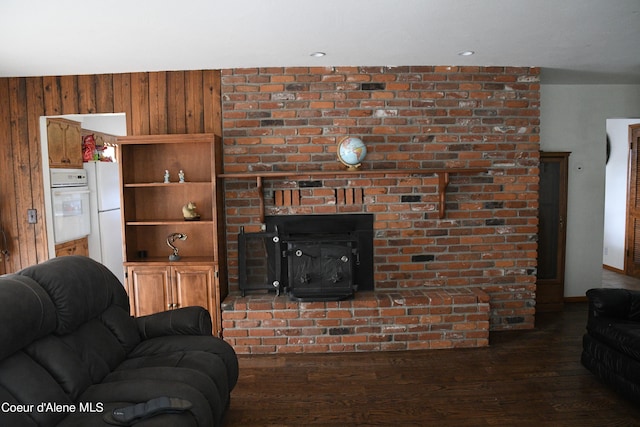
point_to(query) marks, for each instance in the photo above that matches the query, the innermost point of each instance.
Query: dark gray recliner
(611, 344)
(70, 353)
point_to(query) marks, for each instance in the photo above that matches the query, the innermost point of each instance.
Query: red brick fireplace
(439, 281)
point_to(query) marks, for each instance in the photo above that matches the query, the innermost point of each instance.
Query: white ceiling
(574, 41)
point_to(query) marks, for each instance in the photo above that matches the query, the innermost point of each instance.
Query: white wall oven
(70, 204)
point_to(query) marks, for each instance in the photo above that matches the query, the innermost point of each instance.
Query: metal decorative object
(172, 238)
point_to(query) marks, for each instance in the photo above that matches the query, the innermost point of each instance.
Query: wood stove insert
(310, 257)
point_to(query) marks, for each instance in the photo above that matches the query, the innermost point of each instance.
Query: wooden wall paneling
(21, 168)
(14, 111)
(140, 103)
(69, 94)
(104, 94)
(86, 94)
(212, 104)
(194, 116)
(122, 97)
(35, 97)
(52, 100)
(176, 103)
(158, 103)
(35, 109)
(7, 193)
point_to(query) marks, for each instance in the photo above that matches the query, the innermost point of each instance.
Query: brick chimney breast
(409, 117)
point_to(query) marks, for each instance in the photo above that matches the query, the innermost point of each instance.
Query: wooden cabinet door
(552, 230)
(64, 140)
(73, 146)
(56, 131)
(197, 286)
(149, 289)
(193, 285)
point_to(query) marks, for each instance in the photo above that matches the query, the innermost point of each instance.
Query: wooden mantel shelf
(442, 174)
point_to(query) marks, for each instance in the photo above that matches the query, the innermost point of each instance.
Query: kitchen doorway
(102, 250)
(616, 193)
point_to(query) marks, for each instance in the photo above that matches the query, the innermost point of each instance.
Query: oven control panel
(68, 177)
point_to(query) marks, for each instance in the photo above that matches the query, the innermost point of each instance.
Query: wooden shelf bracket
(261, 197)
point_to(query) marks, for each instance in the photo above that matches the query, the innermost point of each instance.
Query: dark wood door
(632, 259)
(554, 171)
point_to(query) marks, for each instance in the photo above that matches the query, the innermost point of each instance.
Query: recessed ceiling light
(466, 53)
(318, 54)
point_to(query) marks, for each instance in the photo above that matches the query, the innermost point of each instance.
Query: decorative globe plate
(351, 152)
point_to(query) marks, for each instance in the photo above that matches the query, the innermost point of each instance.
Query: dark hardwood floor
(524, 378)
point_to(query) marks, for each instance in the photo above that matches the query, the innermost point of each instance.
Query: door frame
(633, 204)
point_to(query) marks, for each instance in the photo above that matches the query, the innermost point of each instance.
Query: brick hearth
(372, 321)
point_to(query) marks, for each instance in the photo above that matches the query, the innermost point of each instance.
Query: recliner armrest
(181, 321)
(614, 303)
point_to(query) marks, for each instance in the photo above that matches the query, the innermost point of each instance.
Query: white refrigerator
(105, 239)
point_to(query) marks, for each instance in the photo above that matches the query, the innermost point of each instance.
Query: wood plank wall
(154, 103)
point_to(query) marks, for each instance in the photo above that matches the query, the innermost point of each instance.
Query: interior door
(552, 215)
(632, 260)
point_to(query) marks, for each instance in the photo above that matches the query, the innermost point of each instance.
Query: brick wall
(278, 119)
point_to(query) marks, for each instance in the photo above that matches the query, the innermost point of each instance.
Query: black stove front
(321, 268)
(310, 257)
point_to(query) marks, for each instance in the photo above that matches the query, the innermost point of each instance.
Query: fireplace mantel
(442, 174)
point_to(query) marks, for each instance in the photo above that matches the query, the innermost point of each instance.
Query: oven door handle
(67, 193)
